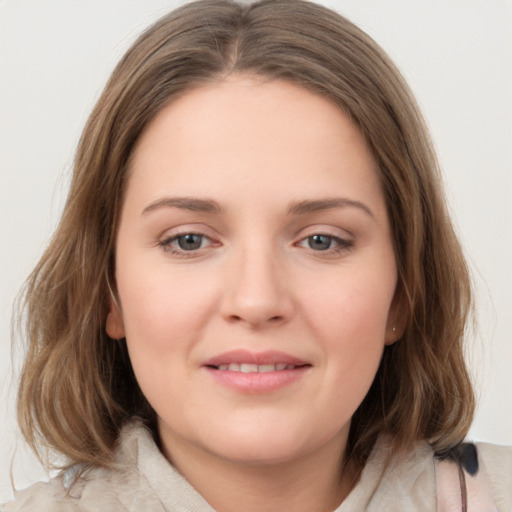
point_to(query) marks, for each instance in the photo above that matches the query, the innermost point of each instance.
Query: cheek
(357, 301)
(351, 321)
(164, 316)
(162, 311)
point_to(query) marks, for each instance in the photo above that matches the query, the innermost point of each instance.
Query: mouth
(255, 368)
(245, 361)
(256, 372)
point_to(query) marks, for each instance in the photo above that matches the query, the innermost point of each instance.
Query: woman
(255, 299)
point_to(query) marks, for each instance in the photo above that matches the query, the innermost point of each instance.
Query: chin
(258, 453)
(260, 444)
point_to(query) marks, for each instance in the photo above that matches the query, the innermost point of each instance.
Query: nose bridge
(256, 291)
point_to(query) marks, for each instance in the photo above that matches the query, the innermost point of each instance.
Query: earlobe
(393, 334)
(396, 320)
(114, 324)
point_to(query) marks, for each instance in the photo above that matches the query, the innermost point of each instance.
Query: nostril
(256, 320)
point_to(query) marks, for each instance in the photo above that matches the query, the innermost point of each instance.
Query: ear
(397, 319)
(114, 324)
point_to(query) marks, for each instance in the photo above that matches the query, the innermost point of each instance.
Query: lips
(251, 362)
(256, 372)
(255, 368)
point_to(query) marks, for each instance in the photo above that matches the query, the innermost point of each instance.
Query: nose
(256, 292)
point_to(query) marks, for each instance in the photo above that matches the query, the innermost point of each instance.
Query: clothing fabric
(142, 480)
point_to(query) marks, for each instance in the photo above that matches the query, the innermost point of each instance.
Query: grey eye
(320, 242)
(190, 242)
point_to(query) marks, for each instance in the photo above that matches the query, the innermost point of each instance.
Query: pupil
(189, 242)
(320, 242)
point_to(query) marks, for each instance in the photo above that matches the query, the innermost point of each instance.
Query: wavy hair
(77, 386)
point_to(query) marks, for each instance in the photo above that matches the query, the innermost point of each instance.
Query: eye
(320, 242)
(185, 243)
(189, 242)
(325, 243)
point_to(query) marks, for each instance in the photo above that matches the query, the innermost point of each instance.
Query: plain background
(55, 56)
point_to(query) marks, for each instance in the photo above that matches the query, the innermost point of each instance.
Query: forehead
(252, 135)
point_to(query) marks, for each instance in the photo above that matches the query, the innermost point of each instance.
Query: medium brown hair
(77, 386)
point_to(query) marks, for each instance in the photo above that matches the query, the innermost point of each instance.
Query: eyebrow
(295, 207)
(318, 205)
(185, 203)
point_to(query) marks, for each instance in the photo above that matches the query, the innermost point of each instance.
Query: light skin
(254, 220)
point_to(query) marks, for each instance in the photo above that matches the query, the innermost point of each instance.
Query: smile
(252, 373)
(255, 368)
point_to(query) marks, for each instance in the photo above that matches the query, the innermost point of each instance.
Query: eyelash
(167, 246)
(342, 245)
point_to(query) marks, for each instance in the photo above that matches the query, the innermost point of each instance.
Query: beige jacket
(144, 481)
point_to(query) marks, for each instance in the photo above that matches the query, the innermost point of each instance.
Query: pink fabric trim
(452, 483)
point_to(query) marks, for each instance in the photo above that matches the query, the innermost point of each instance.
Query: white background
(55, 56)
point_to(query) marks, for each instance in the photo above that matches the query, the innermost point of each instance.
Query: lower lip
(255, 382)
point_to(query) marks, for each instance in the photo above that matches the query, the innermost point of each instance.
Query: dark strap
(462, 482)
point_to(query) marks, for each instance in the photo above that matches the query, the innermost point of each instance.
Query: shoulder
(118, 488)
(97, 487)
(418, 480)
(497, 462)
(400, 482)
(482, 472)
(42, 496)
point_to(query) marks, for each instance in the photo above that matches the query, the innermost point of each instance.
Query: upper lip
(259, 358)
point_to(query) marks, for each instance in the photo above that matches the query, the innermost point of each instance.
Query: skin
(257, 282)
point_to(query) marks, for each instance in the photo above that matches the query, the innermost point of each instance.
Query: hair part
(77, 386)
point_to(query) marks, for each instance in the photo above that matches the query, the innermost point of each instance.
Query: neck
(316, 482)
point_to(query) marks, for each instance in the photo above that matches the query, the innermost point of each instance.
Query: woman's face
(255, 272)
